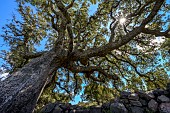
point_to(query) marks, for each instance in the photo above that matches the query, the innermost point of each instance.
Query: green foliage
(135, 63)
(50, 96)
(94, 1)
(101, 94)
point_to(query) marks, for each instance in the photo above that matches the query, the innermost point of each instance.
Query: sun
(122, 20)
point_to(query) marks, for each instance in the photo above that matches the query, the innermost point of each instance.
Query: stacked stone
(156, 101)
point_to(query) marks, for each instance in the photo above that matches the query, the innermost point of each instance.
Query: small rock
(57, 109)
(136, 110)
(128, 106)
(95, 109)
(166, 92)
(73, 111)
(158, 92)
(48, 108)
(135, 103)
(153, 105)
(65, 107)
(80, 111)
(163, 98)
(143, 102)
(133, 96)
(164, 108)
(124, 94)
(124, 101)
(146, 96)
(118, 108)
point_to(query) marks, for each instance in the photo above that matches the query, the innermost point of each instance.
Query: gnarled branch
(91, 69)
(156, 32)
(104, 50)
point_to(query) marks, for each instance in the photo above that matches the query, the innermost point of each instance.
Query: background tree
(100, 95)
(82, 48)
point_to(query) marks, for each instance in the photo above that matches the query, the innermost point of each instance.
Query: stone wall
(156, 101)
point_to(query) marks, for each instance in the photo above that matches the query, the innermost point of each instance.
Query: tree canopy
(100, 52)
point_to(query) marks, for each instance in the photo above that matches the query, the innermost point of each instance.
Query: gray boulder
(153, 105)
(164, 108)
(57, 109)
(124, 101)
(163, 98)
(133, 96)
(118, 108)
(143, 102)
(96, 109)
(158, 92)
(135, 103)
(124, 94)
(80, 111)
(48, 108)
(146, 96)
(136, 110)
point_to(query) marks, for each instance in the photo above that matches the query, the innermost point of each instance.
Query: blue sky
(7, 9)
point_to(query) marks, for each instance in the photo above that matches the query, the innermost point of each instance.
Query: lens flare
(122, 20)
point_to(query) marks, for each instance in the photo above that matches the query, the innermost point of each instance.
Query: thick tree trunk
(20, 92)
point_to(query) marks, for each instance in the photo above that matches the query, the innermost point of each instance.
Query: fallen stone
(124, 94)
(146, 96)
(143, 102)
(153, 105)
(136, 110)
(128, 106)
(57, 109)
(135, 103)
(124, 101)
(95, 109)
(158, 92)
(163, 98)
(133, 96)
(164, 108)
(48, 108)
(118, 108)
(80, 111)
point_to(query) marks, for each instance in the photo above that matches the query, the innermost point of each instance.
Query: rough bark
(20, 92)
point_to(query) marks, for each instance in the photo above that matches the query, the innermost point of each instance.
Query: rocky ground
(156, 101)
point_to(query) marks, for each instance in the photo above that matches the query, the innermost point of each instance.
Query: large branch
(33, 55)
(140, 9)
(118, 67)
(103, 50)
(132, 65)
(67, 20)
(156, 32)
(70, 5)
(63, 9)
(154, 11)
(91, 69)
